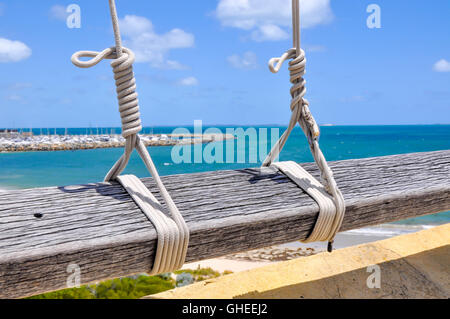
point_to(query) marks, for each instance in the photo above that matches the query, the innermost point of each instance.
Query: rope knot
(126, 93)
(125, 84)
(297, 70)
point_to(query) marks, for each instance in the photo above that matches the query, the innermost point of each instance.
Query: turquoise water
(37, 169)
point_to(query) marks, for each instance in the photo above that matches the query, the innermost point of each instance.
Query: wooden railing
(101, 230)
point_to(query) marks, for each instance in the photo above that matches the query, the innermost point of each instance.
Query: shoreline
(48, 143)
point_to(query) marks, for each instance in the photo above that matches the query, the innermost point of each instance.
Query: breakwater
(29, 143)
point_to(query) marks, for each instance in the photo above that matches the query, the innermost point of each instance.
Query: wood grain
(99, 228)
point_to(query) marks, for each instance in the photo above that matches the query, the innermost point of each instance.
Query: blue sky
(207, 60)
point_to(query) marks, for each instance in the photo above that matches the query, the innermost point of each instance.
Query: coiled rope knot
(299, 104)
(125, 84)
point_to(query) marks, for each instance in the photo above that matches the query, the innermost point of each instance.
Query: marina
(15, 141)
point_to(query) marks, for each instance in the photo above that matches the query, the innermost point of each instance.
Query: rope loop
(97, 57)
(275, 64)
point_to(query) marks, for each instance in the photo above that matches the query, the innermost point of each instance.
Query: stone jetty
(273, 253)
(30, 143)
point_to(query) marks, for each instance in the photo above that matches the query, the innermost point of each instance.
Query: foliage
(133, 287)
(121, 288)
(71, 293)
(184, 279)
(200, 274)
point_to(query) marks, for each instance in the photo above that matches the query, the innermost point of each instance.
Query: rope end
(330, 246)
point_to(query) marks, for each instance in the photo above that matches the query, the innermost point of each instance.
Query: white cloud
(270, 19)
(13, 51)
(247, 61)
(269, 32)
(189, 81)
(58, 12)
(151, 47)
(134, 25)
(14, 98)
(442, 66)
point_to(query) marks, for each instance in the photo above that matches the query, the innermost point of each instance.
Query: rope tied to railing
(330, 217)
(173, 233)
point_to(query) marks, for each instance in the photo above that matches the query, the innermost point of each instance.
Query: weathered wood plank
(99, 228)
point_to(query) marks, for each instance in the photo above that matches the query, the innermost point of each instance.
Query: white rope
(322, 230)
(302, 115)
(173, 233)
(170, 239)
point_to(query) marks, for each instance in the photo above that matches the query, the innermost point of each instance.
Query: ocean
(40, 169)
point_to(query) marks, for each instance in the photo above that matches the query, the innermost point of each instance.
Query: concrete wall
(410, 266)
